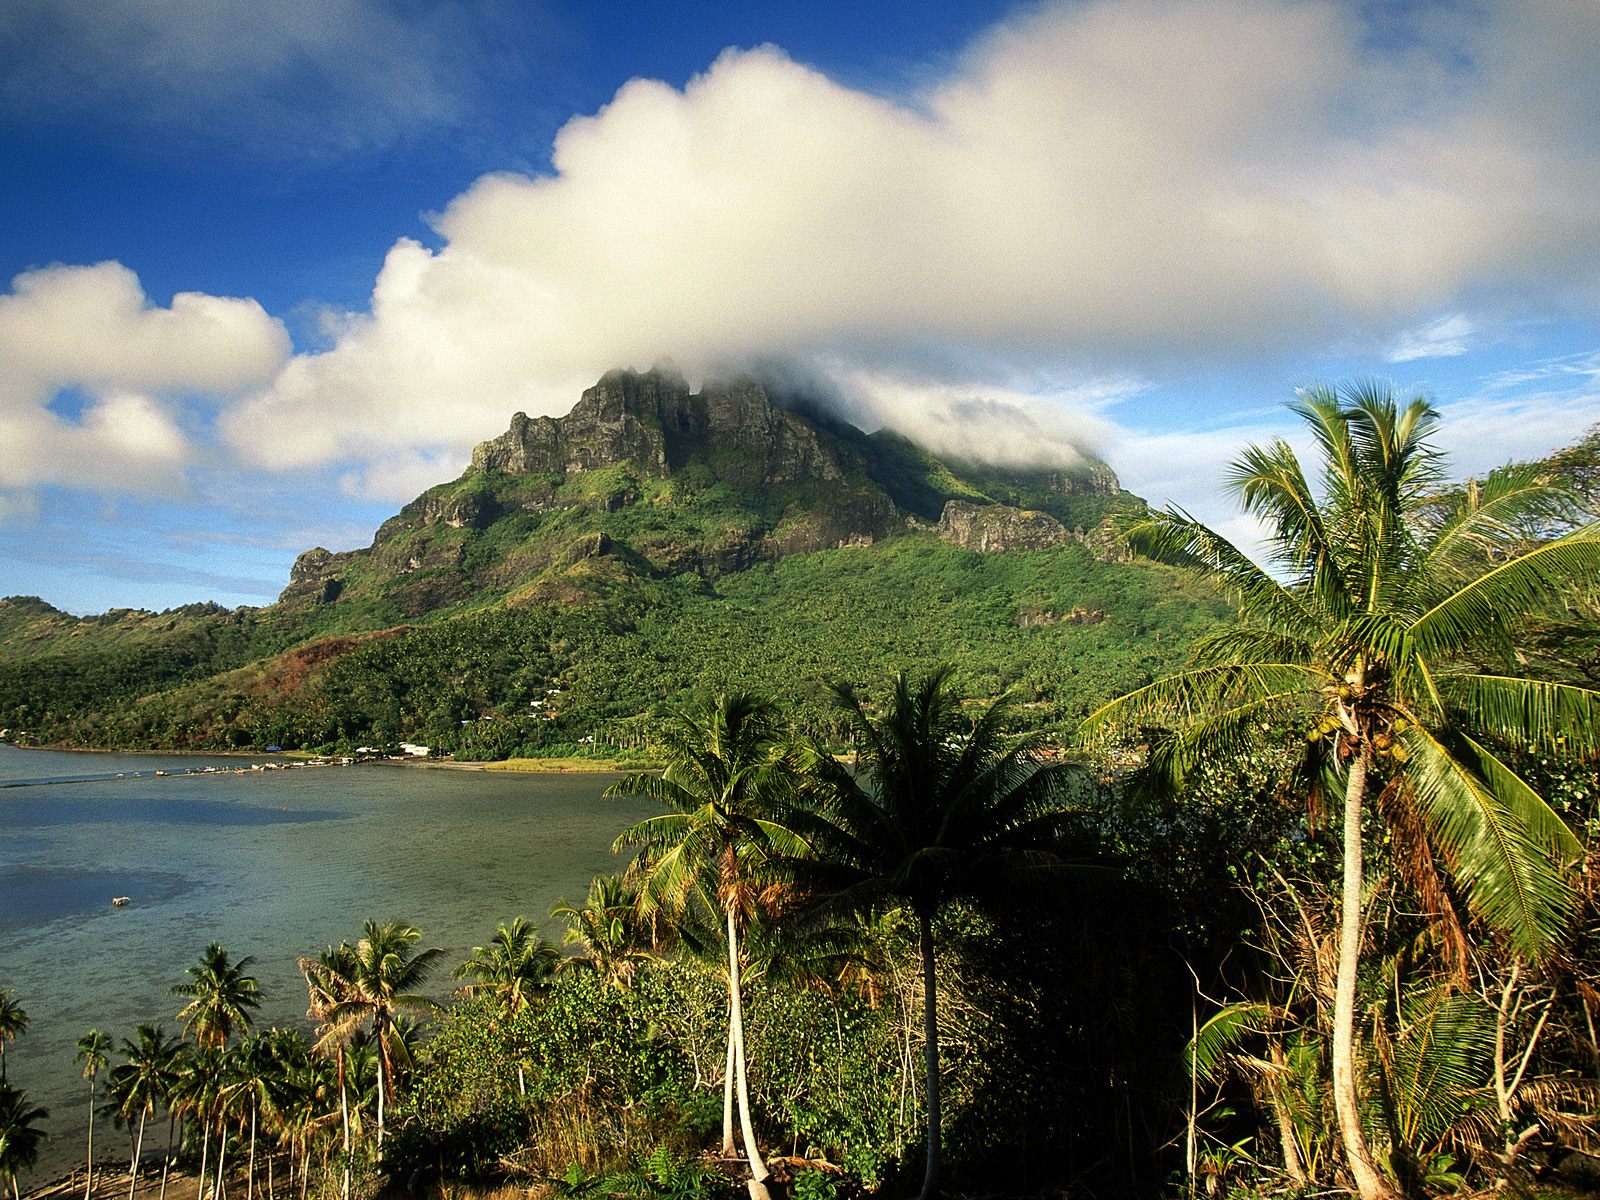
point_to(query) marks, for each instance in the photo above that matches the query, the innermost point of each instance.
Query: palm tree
(606, 931)
(514, 967)
(19, 1135)
(92, 1050)
(195, 1094)
(934, 810)
(144, 1080)
(724, 781)
(220, 995)
(1379, 593)
(372, 983)
(329, 978)
(13, 1021)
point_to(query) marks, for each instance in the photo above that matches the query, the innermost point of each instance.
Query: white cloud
(987, 423)
(1110, 189)
(1444, 338)
(92, 329)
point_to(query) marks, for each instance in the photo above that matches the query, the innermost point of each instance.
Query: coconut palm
(220, 995)
(144, 1080)
(724, 782)
(606, 932)
(512, 968)
(1376, 627)
(195, 1096)
(13, 1021)
(937, 808)
(330, 977)
(371, 983)
(20, 1135)
(93, 1048)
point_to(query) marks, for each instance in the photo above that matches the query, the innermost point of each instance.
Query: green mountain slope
(588, 570)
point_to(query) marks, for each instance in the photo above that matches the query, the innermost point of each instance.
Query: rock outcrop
(992, 528)
(314, 578)
(654, 421)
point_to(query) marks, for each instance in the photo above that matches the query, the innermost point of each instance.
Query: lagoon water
(275, 864)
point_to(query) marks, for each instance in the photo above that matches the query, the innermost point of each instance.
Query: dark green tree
(13, 1021)
(20, 1135)
(935, 808)
(513, 968)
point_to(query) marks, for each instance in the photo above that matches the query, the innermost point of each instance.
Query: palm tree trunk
(728, 1148)
(138, 1148)
(1369, 1181)
(250, 1171)
(166, 1163)
(344, 1112)
(1280, 1110)
(758, 1169)
(222, 1156)
(205, 1151)
(88, 1183)
(383, 1076)
(930, 1053)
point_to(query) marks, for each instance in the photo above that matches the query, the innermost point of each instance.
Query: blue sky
(271, 268)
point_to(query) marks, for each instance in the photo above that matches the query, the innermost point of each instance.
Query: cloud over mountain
(1095, 190)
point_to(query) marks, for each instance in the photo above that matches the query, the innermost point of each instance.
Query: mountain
(645, 479)
(585, 570)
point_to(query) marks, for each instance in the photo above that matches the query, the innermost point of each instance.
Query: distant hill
(587, 570)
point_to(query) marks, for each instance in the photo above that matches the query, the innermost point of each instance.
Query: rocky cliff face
(654, 420)
(999, 527)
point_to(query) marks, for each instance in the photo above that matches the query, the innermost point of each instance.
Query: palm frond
(1508, 592)
(1223, 1035)
(1176, 538)
(1556, 718)
(1495, 839)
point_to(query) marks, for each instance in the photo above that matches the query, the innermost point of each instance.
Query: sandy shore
(111, 1183)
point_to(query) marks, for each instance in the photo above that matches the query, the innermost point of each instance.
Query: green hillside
(586, 572)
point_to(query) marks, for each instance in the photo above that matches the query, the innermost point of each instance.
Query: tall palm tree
(93, 1048)
(512, 968)
(1377, 625)
(220, 995)
(329, 978)
(19, 1135)
(373, 982)
(936, 808)
(606, 932)
(725, 781)
(13, 1021)
(144, 1080)
(196, 1093)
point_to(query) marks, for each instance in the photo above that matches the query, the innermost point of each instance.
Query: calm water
(277, 864)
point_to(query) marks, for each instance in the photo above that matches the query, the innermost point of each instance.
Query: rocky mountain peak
(653, 420)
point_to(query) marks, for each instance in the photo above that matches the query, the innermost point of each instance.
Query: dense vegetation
(539, 679)
(1116, 981)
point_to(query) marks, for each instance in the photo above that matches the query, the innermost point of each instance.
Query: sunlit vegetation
(882, 933)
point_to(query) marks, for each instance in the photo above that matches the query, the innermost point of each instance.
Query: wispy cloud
(1445, 338)
(289, 79)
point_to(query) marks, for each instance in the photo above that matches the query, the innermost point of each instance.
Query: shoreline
(556, 765)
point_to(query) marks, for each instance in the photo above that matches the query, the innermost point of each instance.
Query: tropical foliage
(853, 922)
(1384, 628)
